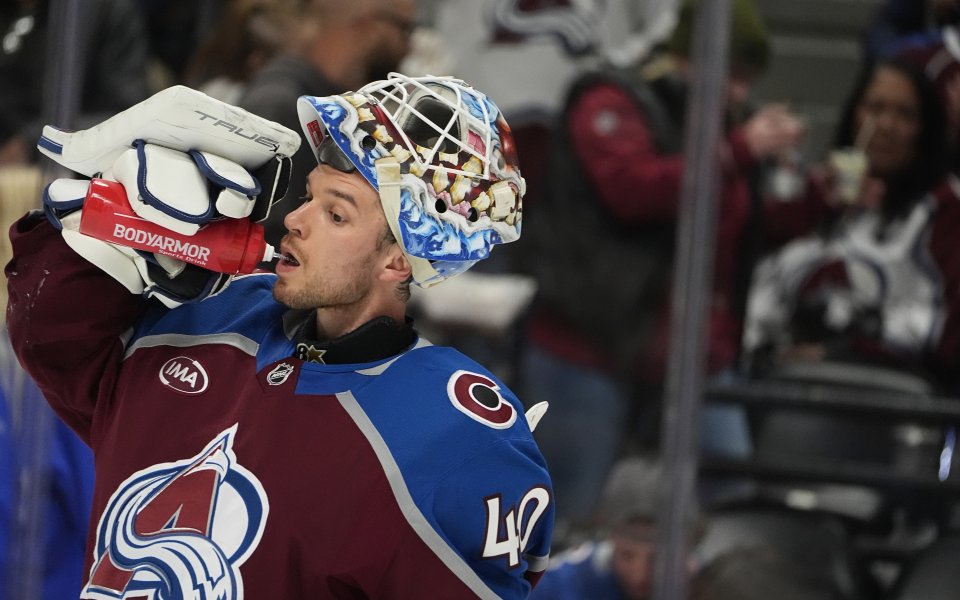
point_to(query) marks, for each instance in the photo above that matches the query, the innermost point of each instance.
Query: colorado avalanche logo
(479, 398)
(571, 22)
(180, 531)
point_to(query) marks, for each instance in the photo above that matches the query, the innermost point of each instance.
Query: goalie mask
(441, 157)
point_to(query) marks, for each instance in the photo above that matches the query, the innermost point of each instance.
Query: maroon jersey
(228, 468)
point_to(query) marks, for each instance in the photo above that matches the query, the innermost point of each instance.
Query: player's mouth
(287, 259)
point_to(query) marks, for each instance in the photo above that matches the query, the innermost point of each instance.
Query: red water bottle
(233, 246)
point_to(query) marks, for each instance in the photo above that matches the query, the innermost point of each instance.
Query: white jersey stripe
(240, 342)
(408, 507)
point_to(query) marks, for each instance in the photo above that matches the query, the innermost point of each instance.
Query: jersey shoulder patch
(471, 390)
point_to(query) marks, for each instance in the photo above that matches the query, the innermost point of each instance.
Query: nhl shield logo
(279, 374)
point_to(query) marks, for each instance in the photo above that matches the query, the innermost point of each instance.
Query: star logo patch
(310, 353)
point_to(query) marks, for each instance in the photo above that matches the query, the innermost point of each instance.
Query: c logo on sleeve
(479, 398)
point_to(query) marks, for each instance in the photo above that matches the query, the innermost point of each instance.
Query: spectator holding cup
(877, 284)
(849, 165)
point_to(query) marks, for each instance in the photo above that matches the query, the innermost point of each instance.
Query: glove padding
(226, 141)
(171, 281)
(178, 118)
(184, 159)
(182, 191)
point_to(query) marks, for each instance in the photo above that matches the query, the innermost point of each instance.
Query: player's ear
(396, 267)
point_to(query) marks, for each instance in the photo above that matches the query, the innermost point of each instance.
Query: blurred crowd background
(828, 425)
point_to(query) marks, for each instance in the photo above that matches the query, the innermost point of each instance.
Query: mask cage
(434, 116)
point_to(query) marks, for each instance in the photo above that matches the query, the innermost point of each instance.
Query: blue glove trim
(147, 256)
(50, 145)
(62, 209)
(217, 179)
(157, 203)
(52, 217)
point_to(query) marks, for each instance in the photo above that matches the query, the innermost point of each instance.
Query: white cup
(850, 167)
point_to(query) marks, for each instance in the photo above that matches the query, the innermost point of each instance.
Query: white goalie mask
(441, 157)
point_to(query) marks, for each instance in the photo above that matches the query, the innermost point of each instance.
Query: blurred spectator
(899, 20)
(428, 54)
(46, 473)
(870, 301)
(114, 58)
(757, 573)
(175, 29)
(880, 285)
(601, 245)
(20, 186)
(337, 45)
(936, 50)
(618, 565)
(250, 33)
(510, 39)
(46, 491)
(497, 45)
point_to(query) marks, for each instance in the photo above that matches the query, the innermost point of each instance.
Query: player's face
(336, 241)
(633, 565)
(891, 109)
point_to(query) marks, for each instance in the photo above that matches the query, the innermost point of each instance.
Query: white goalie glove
(184, 160)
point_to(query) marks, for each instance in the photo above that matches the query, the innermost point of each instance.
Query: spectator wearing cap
(618, 565)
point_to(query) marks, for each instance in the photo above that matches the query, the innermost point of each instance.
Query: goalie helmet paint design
(442, 158)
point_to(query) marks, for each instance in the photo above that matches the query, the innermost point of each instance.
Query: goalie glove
(169, 148)
(184, 159)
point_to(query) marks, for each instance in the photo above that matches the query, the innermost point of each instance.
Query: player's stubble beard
(317, 293)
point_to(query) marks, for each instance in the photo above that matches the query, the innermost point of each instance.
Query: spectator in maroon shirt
(602, 244)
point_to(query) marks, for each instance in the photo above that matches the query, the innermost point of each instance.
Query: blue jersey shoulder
(240, 307)
(468, 460)
(444, 391)
(245, 310)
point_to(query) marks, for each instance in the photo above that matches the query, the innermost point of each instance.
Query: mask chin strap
(388, 180)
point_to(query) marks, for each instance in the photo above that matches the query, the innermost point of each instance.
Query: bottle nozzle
(269, 253)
